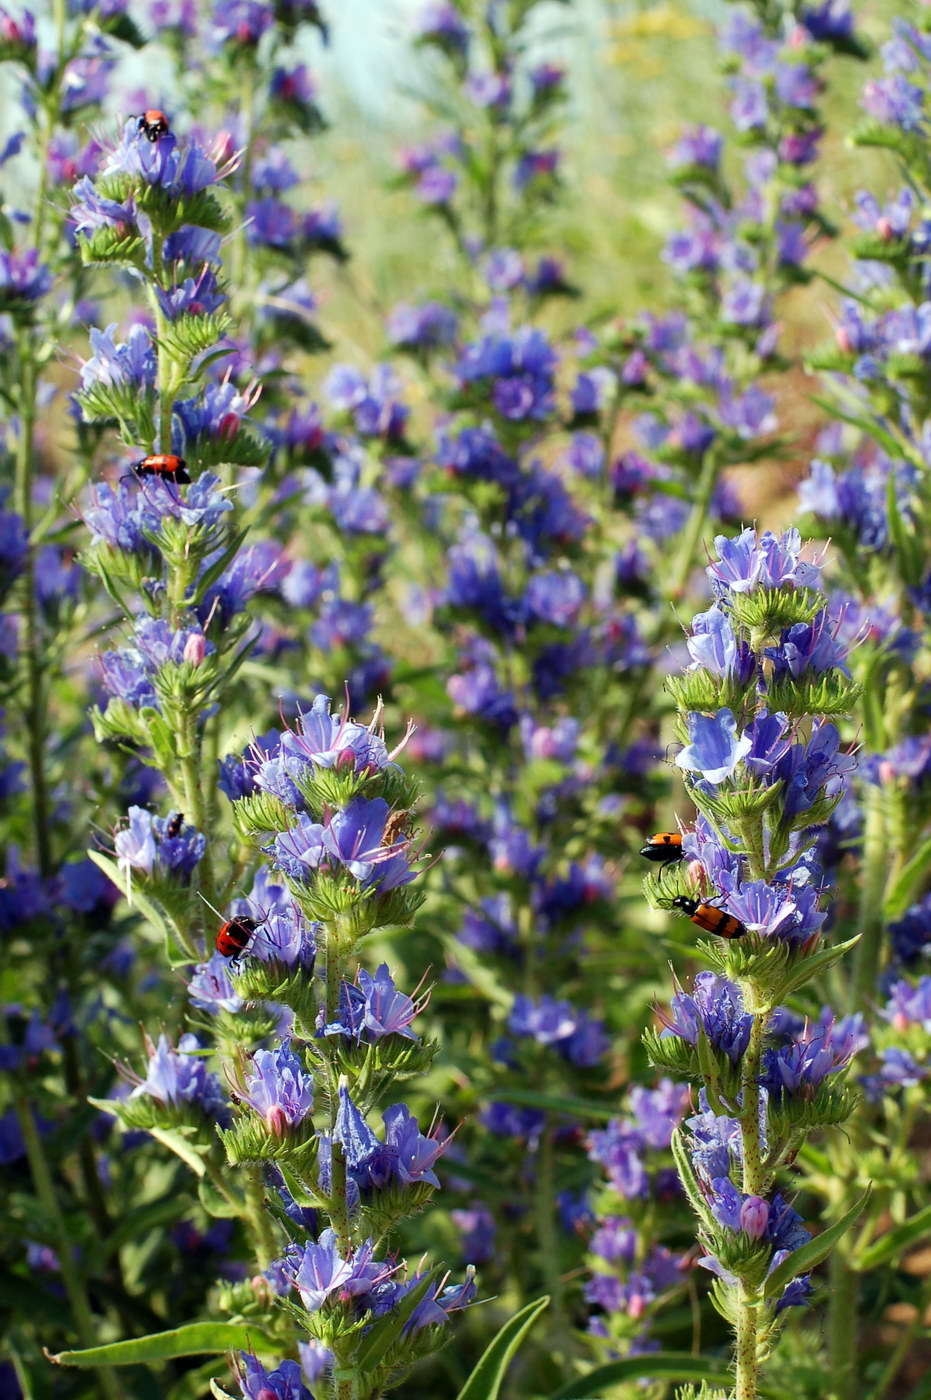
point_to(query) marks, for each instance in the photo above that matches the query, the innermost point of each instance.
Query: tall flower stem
(257, 1217)
(74, 1284)
(687, 551)
(754, 1184)
(34, 705)
(876, 859)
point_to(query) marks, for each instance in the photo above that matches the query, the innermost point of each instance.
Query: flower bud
(277, 1120)
(754, 1217)
(842, 336)
(884, 228)
(195, 649)
(229, 427)
(636, 1306)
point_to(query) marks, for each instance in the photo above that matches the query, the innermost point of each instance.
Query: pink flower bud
(345, 758)
(754, 1217)
(884, 228)
(229, 427)
(636, 1306)
(10, 30)
(276, 1120)
(842, 336)
(195, 649)
(886, 772)
(900, 1022)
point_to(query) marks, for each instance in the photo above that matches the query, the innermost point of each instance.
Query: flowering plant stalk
(764, 767)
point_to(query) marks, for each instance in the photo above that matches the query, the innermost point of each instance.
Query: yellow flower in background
(634, 35)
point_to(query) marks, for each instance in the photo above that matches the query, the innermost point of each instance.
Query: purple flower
(777, 911)
(284, 1383)
(412, 1154)
(441, 22)
(210, 988)
(135, 845)
(657, 1111)
(766, 561)
(23, 279)
(423, 327)
(278, 1089)
(132, 363)
(373, 1009)
(353, 837)
(909, 1005)
(477, 1229)
(285, 937)
(298, 850)
(179, 171)
(714, 749)
(179, 1077)
(754, 1217)
(808, 647)
(716, 1008)
(797, 1069)
(620, 1150)
(359, 1143)
(698, 145)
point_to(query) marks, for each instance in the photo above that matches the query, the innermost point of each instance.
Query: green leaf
(557, 1103)
(909, 878)
(895, 1241)
(670, 1365)
(802, 1261)
(386, 1332)
(485, 1381)
(210, 576)
(196, 1339)
(808, 968)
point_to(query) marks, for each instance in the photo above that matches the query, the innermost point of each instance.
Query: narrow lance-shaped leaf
(485, 1381)
(802, 1261)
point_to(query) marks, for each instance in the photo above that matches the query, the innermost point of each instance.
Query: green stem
(258, 1219)
(339, 1202)
(194, 804)
(74, 1284)
(747, 1351)
(754, 1184)
(843, 1322)
(691, 535)
(34, 707)
(547, 1231)
(868, 953)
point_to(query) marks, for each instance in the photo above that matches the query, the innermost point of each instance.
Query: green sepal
(830, 693)
(249, 1142)
(768, 611)
(259, 816)
(671, 1053)
(831, 1104)
(118, 721)
(107, 246)
(701, 691)
(188, 336)
(910, 146)
(830, 359)
(690, 1186)
(292, 985)
(803, 1260)
(245, 449)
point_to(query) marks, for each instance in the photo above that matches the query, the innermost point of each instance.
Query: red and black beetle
(165, 465)
(154, 124)
(235, 936)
